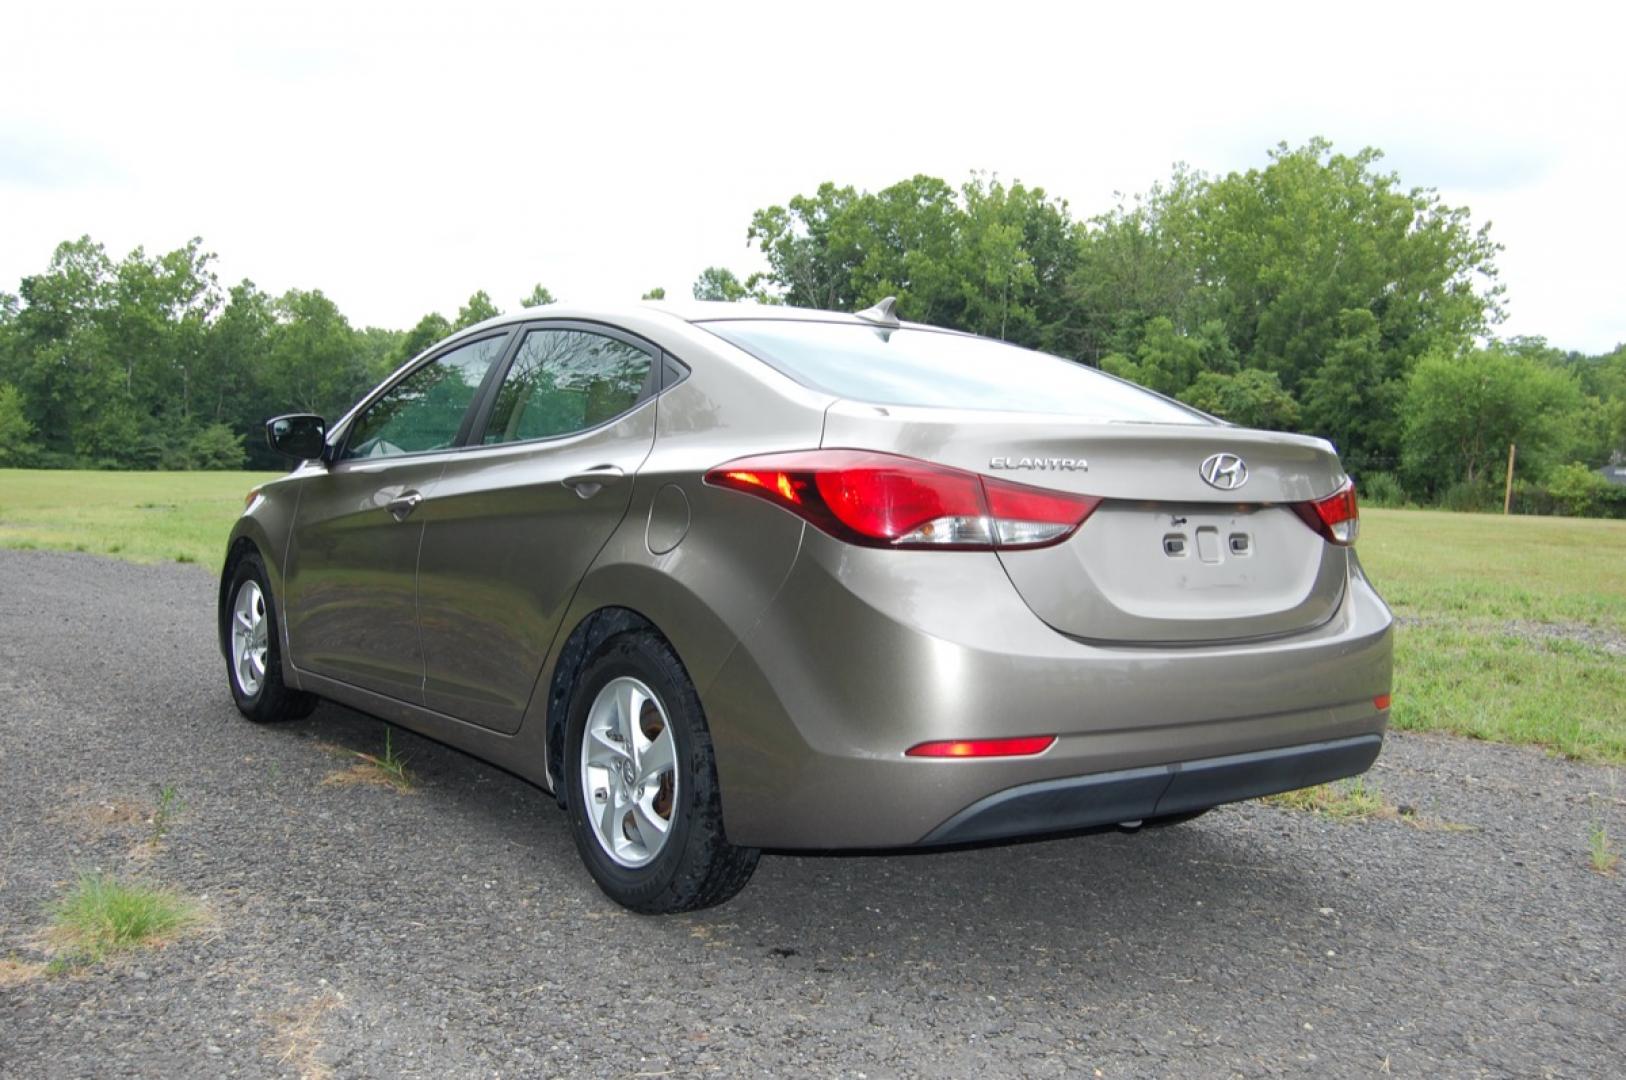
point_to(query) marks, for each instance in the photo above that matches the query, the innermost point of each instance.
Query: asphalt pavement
(451, 932)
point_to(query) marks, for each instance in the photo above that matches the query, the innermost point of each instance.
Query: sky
(399, 156)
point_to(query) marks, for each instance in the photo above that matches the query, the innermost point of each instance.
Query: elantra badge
(1224, 471)
(1063, 464)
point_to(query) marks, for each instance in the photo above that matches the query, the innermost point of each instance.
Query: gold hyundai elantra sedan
(731, 577)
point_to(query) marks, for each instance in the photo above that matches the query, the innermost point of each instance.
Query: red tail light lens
(1023, 746)
(1336, 517)
(886, 500)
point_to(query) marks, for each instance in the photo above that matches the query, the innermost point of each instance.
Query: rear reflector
(1336, 517)
(886, 500)
(1381, 701)
(1023, 746)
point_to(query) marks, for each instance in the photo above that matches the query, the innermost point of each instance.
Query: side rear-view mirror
(299, 435)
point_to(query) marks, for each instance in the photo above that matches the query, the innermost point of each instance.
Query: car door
(517, 520)
(351, 570)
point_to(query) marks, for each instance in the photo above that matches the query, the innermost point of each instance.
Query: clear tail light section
(1336, 517)
(887, 500)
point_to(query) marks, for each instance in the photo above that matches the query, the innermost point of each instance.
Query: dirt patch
(16, 972)
(368, 774)
(1603, 638)
(105, 815)
(1596, 637)
(294, 1042)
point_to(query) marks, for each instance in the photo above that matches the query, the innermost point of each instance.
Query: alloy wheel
(249, 638)
(629, 772)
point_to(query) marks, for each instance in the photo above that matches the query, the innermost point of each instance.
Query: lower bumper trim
(1080, 802)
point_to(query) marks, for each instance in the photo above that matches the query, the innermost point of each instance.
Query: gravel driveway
(451, 932)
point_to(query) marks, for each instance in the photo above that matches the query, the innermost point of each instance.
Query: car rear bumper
(864, 654)
(1109, 798)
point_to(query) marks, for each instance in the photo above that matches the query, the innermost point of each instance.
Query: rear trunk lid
(1168, 557)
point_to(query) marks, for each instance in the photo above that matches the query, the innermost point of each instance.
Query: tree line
(1314, 293)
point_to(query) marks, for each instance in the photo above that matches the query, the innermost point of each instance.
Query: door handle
(590, 483)
(402, 505)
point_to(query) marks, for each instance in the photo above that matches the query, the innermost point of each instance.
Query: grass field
(144, 516)
(1512, 629)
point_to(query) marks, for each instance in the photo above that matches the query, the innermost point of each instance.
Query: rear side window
(564, 381)
(947, 370)
(425, 410)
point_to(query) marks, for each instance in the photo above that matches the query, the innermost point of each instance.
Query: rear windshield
(934, 368)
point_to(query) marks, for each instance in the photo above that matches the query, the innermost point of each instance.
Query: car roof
(690, 311)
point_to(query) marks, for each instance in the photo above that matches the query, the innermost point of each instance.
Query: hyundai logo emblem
(1224, 471)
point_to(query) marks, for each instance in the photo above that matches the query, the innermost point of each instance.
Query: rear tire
(640, 783)
(254, 649)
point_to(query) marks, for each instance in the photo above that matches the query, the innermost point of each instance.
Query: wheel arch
(250, 537)
(588, 636)
(241, 547)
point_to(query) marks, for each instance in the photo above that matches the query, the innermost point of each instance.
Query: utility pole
(1507, 496)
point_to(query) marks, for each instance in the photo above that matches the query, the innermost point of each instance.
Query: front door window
(425, 410)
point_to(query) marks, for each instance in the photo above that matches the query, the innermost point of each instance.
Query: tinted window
(425, 410)
(564, 381)
(926, 367)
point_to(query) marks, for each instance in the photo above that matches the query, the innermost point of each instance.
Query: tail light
(1336, 517)
(885, 500)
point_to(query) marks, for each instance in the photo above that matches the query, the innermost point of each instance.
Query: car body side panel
(505, 543)
(703, 587)
(524, 753)
(699, 562)
(349, 592)
(871, 652)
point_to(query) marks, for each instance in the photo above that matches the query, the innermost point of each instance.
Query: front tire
(640, 783)
(254, 649)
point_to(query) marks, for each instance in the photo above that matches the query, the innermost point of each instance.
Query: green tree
(1578, 489)
(903, 241)
(233, 358)
(215, 447)
(810, 258)
(657, 293)
(61, 361)
(16, 433)
(1135, 263)
(1251, 398)
(380, 351)
(989, 257)
(719, 283)
(430, 329)
(1285, 250)
(538, 297)
(156, 325)
(1166, 360)
(1604, 379)
(312, 362)
(1461, 412)
(1354, 397)
(477, 310)
(1017, 249)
